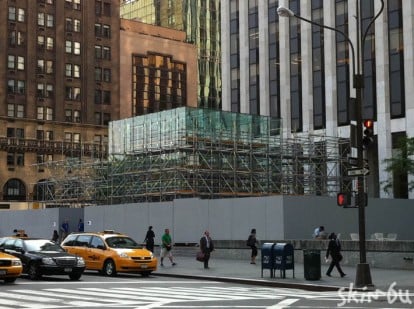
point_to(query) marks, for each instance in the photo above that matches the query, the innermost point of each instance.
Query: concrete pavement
(241, 271)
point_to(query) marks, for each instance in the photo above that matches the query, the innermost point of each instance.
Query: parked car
(43, 257)
(110, 252)
(10, 267)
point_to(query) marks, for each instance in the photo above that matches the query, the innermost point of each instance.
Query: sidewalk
(241, 271)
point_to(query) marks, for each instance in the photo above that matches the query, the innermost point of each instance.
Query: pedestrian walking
(334, 250)
(166, 247)
(206, 246)
(55, 236)
(149, 239)
(81, 226)
(252, 243)
(64, 229)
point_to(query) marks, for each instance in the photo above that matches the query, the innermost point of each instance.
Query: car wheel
(146, 273)
(109, 268)
(33, 271)
(10, 280)
(75, 276)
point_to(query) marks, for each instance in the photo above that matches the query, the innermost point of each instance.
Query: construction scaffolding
(190, 152)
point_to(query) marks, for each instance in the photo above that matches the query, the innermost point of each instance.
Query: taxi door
(97, 253)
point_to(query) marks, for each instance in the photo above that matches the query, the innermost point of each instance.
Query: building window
(98, 118)
(72, 70)
(16, 111)
(44, 90)
(21, 15)
(49, 43)
(40, 113)
(16, 86)
(50, 21)
(12, 13)
(98, 74)
(106, 9)
(20, 63)
(11, 60)
(106, 119)
(106, 75)
(159, 83)
(106, 31)
(396, 58)
(98, 30)
(342, 62)
(76, 138)
(76, 116)
(73, 93)
(68, 115)
(76, 71)
(106, 53)
(49, 113)
(98, 52)
(73, 47)
(49, 67)
(318, 64)
(13, 38)
(76, 25)
(295, 70)
(40, 42)
(41, 19)
(274, 60)
(14, 189)
(68, 137)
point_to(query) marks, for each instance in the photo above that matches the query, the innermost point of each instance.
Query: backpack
(250, 241)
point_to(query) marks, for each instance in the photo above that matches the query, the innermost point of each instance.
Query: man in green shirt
(166, 247)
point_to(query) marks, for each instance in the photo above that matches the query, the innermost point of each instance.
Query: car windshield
(122, 242)
(42, 245)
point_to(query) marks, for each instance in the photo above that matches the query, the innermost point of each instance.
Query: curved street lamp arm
(336, 30)
(372, 21)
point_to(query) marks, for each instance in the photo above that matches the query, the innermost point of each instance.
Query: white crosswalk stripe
(142, 297)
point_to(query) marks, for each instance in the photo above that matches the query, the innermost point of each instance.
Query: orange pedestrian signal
(368, 138)
(343, 199)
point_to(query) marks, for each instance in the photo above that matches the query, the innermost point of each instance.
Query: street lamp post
(363, 274)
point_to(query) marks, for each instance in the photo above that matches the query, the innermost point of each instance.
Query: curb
(301, 286)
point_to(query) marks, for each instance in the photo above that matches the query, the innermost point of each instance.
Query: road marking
(284, 303)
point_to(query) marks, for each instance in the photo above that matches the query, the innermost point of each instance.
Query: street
(134, 291)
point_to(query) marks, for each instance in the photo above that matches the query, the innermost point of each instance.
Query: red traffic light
(343, 199)
(369, 124)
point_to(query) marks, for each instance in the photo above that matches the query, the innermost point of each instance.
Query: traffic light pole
(363, 275)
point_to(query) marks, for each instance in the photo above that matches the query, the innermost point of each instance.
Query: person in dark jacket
(149, 239)
(206, 246)
(252, 243)
(334, 250)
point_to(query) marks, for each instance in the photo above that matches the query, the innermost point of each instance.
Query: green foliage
(402, 163)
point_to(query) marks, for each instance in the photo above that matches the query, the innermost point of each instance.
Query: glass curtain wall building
(200, 20)
(287, 68)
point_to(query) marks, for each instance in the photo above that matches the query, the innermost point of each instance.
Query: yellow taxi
(110, 252)
(10, 267)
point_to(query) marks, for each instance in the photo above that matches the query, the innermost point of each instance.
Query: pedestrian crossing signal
(343, 199)
(368, 138)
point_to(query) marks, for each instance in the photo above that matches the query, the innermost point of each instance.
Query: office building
(60, 87)
(302, 73)
(200, 20)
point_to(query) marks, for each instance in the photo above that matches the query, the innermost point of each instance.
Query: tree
(401, 164)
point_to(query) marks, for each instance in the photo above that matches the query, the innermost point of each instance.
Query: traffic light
(343, 199)
(368, 138)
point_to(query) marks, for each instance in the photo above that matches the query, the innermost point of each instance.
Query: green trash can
(312, 264)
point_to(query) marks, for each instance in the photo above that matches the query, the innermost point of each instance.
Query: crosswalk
(128, 297)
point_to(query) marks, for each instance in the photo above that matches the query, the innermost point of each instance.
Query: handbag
(200, 256)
